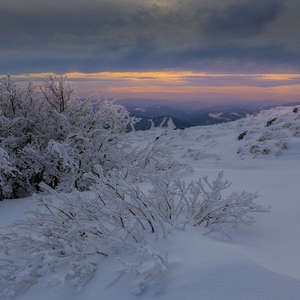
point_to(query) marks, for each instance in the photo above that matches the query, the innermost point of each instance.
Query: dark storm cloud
(104, 35)
(243, 19)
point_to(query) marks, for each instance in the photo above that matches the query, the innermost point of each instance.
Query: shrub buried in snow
(67, 232)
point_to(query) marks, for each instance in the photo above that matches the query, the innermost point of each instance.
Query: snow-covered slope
(262, 261)
(266, 134)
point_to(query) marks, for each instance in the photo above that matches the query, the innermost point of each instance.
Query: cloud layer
(110, 35)
(244, 19)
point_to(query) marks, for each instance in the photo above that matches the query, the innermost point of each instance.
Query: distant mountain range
(180, 115)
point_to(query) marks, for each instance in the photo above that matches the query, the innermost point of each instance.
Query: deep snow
(262, 261)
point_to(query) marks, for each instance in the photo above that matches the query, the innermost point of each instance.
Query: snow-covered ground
(261, 261)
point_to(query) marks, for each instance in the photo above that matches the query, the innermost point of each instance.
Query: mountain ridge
(154, 113)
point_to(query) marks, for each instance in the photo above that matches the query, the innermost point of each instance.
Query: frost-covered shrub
(281, 146)
(68, 235)
(6, 173)
(52, 136)
(254, 149)
(265, 150)
(296, 132)
(220, 213)
(265, 136)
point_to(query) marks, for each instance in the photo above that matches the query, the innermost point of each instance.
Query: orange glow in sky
(182, 85)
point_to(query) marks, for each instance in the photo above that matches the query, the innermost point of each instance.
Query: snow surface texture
(261, 262)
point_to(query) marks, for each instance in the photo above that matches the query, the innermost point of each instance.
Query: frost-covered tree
(59, 94)
(10, 97)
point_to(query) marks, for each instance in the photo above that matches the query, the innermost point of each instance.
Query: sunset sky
(213, 50)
